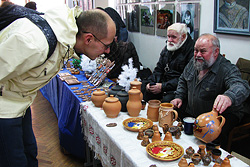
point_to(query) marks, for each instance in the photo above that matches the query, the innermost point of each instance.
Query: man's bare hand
(177, 102)
(221, 103)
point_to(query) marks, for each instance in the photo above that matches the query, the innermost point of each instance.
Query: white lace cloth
(116, 146)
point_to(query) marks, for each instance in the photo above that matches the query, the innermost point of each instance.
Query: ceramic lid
(135, 82)
(122, 93)
(98, 92)
(117, 87)
(111, 99)
(134, 91)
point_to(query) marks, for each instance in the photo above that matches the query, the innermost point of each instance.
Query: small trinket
(145, 141)
(140, 135)
(74, 88)
(111, 124)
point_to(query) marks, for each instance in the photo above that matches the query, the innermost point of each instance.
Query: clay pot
(196, 158)
(149, 133)
(134, 103)
(168, 137)
(140, 134)
(156, 136)
(216, 153)
(153, 110)
(191, 164)
(207, 126)
(206, 160)
(165, 128)
(173, 130)
(167, 115)
(216, 164)
(123, 98)
(183, 163)
(136, 84)
(145, 141)
(189, 151)
(115, 89)
(201, 150)
(98, 97)
(225, 163)
(112, 106)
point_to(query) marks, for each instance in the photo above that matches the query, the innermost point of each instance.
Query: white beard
(172, 46)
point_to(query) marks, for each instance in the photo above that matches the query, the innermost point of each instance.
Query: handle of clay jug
(223, 120)
(176, 115)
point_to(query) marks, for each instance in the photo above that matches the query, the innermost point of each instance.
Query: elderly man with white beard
(210, 81)
(173, 59)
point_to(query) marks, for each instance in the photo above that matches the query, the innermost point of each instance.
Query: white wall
(149, 47)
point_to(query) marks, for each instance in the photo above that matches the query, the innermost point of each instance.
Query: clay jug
(156, 136)
(225, 163)
(98, 97)
(123, 98)
(206, 160)
(196, 158)
(183, 162)
(201, 150)
(137, 84)
(207, 126)
(167, 115)
(134, 103)
(153, 110)
(112, 106)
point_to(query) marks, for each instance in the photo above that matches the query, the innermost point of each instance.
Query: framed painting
(133, 18)
(232, 17)
(148, 19)
(189, 13)
(165, 16)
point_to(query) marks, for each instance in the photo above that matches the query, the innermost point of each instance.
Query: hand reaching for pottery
(155, 89)
(177, 102)
(221, 103)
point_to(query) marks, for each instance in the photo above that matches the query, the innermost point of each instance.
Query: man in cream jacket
(24, 70)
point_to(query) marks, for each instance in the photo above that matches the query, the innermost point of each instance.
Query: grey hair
(180, 28)
(215, 41)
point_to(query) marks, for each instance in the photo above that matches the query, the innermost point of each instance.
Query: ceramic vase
(196, 158)
(165, 128)
(153, 110)
(225, 163)
(123, 98)
(98, 97)
(183, 163)
(112, 106)
(115, 89)
(167, 115)
(137, 84)
(206, 159)
(156, 136)
(201, 150)
(134, 103)
(189, 151)
(207, 126)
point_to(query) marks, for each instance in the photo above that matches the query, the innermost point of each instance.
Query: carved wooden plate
(135, 124)
(164, 150)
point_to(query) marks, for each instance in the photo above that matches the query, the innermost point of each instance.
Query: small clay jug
(115, 89)
(183, 163)
(156, 136)
(225, 163)
(173, 130)
(216, 153)
(208, 133)
(98, 97)
(206, 159)
(123, 98)
(149, 133)
(137, 84)
(165, 128)
(216, 164)
(167, 115)
(201, 150)
(134, 103)
(112, 106)
(153, 110)
(168, 137)
(145, 141)
(189, 151)
(178, 133)
(140, 134)
(196, 158)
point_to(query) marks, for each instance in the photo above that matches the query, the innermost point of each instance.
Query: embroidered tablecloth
(118, 147)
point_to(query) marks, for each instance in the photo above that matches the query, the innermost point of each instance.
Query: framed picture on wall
(133, 18)
(189, 13)
(232, 17)
(165, 16)
(148, 19)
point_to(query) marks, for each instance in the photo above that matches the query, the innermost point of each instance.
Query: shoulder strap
(10, 13)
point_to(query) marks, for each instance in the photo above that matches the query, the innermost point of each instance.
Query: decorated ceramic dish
(164, 150)
(135, 124)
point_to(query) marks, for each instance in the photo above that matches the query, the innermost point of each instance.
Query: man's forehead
(172, 32)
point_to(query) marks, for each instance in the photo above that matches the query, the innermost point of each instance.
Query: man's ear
(183, 37)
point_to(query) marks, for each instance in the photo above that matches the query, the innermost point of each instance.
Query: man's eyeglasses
(106, 46)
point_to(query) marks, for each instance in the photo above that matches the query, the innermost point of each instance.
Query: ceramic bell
(207, 126)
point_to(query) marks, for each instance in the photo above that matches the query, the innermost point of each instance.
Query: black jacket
(176, 61)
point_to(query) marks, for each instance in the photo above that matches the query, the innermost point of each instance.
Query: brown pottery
(206, 159)
(168, 137)
(201, 150)
(183, 163)
(140, 134)
(208, 126)
(153, 110)
(167, 115)
(189, 151)
(134, 102)
(156, 136)
(145, 141)
(196, 158)
(225, 163)
(112, 106)
(98, 97)
(136, 84)
(216, 164)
